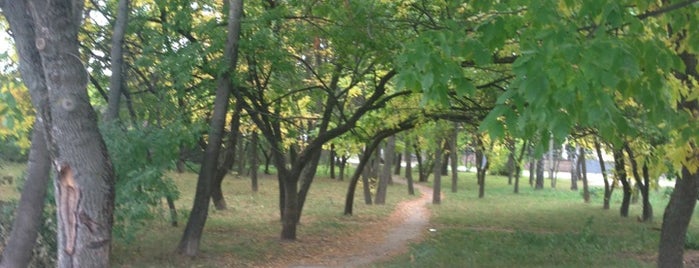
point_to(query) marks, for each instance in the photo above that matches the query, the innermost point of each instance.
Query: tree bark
(603, 169)
(539, 174)
(641, 183)
(18, 247)
(229, 157)
(397, 164)
(437, 183)
(20, 243)
(518, 166)
(389, 154)
(583, 175)
(331, 160)
(453, 158)
(409, 169)
(363, 160)
(380, 198)
(481, 166)
(117, 58)
(254, 162)
(189, 244)
(85, 185)
(620, 169)
(678, 214)
(574, 170)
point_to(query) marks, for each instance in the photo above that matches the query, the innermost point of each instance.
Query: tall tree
(189, 244)
(85, 182)
(603, 169)
(117, 67)
(437, 182)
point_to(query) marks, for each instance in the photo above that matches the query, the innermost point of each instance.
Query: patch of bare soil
(376, 241)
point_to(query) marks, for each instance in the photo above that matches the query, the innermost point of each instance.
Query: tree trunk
(583, 175)
(422, 177)
(173, 210)
(363, 160)
(343, 164)
(189, 244)
(409, 169)
(117, 58)
(552, 164)
(366, 187)
(229, 157)
(518, 166)
(603, 169)
(642, 184)
(380, 198)
(437, 184)
(307, 176)
(678, 214)
(619, 167)
(389, 153)
(574, 170)
(453, 158)
(331, 161)
(539, 174)
(481, 166)
(254, 161)
(397, 164)
(18, 249)
(291, 209)
(85, 185)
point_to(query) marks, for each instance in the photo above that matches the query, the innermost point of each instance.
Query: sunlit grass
(535, 228)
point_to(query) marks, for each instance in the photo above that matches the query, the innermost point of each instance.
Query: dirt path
(408, 223)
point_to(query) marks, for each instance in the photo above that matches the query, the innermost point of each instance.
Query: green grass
(536, 228)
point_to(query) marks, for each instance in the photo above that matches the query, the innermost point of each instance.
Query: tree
(189, 244)
(437, 183)
(607, 187)
(85, 193)
(116, 82)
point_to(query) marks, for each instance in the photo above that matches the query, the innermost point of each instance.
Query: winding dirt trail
(408, 223)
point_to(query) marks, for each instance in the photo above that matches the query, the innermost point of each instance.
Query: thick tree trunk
(678, 214)
(117, 58)
(18, 249)
(437, 183)
(389, 154)
(85, 185)
(603, 169)
(647, 207)
(189, 244)
(291, 209)
(360, 171)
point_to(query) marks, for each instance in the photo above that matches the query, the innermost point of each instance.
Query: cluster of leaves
(141, 157)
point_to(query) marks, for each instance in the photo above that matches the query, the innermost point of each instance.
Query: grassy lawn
(544, 228)
(247, 233)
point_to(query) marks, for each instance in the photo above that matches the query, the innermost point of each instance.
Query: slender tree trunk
(642, 183)
(420, 164)
(380, 198)
(583, 173)
(409, 169)
(539, 174)
(18, 249)
(189, 244)
(453, 159)
(676, 220)
(117, 58)
(173, 210)
(363, 160)
(481, 166)
(552, 165)
(307, 176)
(229, 157)
(603, 169)
(437, 184)
(619, 167)
(254, 162)
(397, 162)
(19, 245)
(331, 161)
(343, 164)
(518, 166)
(389, 153)
(574, 170)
